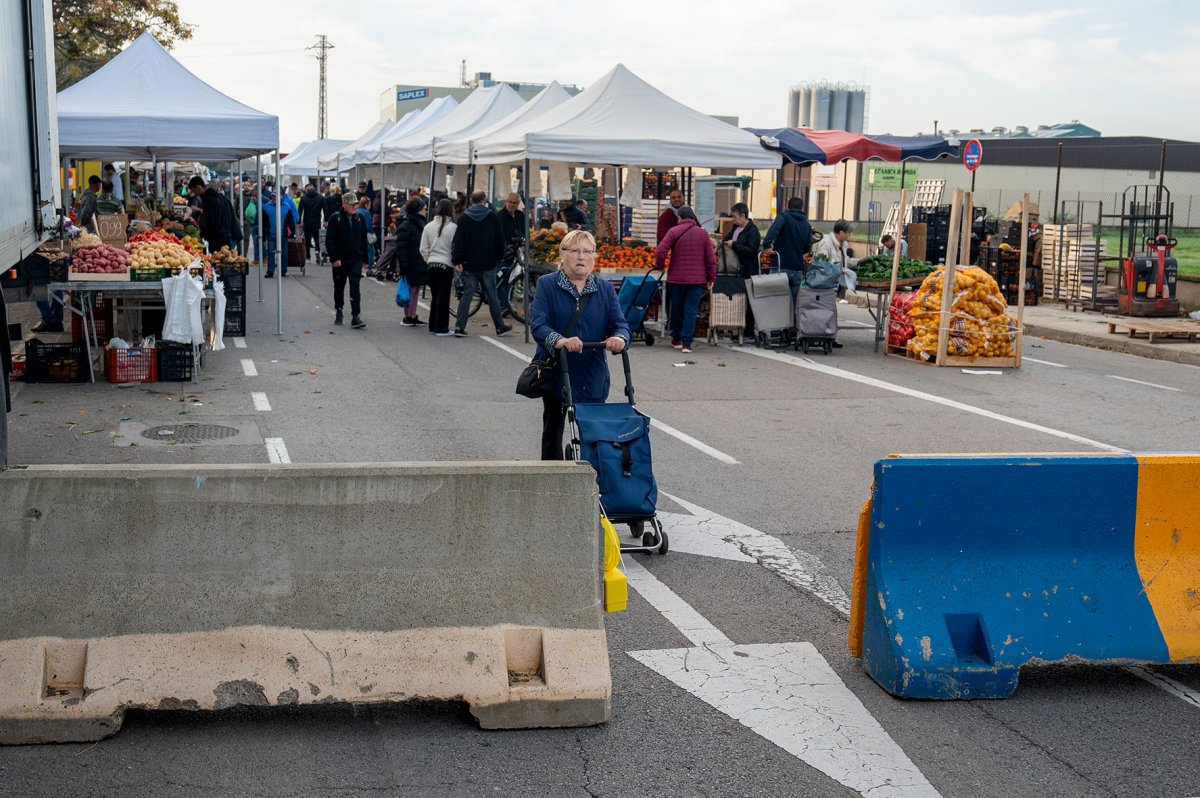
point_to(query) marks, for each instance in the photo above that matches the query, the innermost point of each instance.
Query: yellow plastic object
(616, 587)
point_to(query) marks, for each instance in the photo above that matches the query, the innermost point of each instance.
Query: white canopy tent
(122, 110)
(483, 107)
(623, 120)
(339, 160)
(302, 161)
(459, 149)
(409, 125)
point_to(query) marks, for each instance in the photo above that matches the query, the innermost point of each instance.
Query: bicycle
(510, 286)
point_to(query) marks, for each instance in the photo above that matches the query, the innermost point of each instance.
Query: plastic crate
(55, 362)
(235, 323)
(136, 364)
(234, 283)
(175, 362)
(147, 274)
(103, 313)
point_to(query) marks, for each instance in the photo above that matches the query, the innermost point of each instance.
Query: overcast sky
(1124, 68)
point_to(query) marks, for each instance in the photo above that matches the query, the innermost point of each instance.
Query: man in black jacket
(477, 249)
(346, 246)
(216, 220)
(312, 207)
(791, 237)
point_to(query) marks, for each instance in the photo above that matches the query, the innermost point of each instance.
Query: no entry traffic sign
(972, 155)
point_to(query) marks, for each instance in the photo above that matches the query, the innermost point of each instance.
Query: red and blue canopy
(802, 145)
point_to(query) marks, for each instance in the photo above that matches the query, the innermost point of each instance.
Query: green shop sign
(888, 177)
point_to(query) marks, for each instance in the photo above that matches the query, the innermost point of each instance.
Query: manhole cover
(189, 433)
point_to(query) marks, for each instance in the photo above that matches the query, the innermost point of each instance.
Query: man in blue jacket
(790, 237)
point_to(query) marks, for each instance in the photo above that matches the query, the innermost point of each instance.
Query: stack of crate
(644, 221)
(234, 282)
(1069, 252)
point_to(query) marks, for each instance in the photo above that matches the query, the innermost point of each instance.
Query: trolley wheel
(649, 339)
(828, 347)
(637, 529)
(663, 546)
(804, 346)
(570, 452)
(759, 340)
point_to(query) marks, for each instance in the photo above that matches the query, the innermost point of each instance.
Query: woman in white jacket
(435, 249)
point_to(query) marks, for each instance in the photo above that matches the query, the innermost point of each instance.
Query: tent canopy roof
(409, 125)
(302, 161)
(459, 149)
(802, 145)
(143, 102)
(622, 119)
(483, 107)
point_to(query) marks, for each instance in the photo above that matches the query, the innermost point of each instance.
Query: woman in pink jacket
(693, 270)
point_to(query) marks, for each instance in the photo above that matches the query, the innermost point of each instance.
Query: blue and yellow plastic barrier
(969, 566)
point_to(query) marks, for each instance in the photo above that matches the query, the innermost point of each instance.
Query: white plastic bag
(216, 336)
(183, 295)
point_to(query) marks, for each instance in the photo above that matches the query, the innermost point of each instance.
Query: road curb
(1114, 343)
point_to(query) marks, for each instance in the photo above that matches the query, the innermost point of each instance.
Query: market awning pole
(432, 170)
(241, 206)
(154, 180)
(528, 255)
(618, 187)
(258, 198)
(278, 248)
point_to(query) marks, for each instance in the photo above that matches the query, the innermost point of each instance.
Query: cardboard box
(724, 225)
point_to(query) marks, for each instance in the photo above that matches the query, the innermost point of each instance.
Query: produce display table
(81, 302)
(882, 290)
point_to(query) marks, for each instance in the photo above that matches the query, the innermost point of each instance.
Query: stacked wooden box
(1069, 255)
(645, 221)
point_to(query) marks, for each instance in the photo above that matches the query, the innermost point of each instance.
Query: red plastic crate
(138, 364)
(104, 322)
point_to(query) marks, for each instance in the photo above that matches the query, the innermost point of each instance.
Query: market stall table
(82, 303)
(882, 290)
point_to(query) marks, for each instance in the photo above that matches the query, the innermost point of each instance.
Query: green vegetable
(879, 267)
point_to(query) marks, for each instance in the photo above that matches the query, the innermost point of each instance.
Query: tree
(87, 33)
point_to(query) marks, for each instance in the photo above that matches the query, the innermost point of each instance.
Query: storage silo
(793, 111)
(805, 105)
(820, 107)
(856, 120)
(839, 104)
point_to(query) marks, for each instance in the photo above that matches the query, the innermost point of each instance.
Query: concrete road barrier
(204, 587)
(970, 566)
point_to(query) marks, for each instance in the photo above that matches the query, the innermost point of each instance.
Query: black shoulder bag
(537, 379)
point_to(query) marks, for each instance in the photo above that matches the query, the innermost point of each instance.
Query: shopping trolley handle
(562, 363)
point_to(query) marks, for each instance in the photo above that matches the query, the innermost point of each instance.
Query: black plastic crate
(55, 362)
(175, 362)
(235, 323)
(233, 283)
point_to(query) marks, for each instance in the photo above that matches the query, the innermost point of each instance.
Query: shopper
(512, 223)
(743, 241)
(833, 248)
(790, 237)
(312, 209)
(216, 215)
(436, 248)
(692, 273)
(266, 215)
(346, 246)
(670, 215)
(364, 212)
(413, 267)
(558, 296)
(250, 217)
(574, 218)
(333, 201)
(477, 250)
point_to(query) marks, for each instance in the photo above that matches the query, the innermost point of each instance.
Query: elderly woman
(558, 296)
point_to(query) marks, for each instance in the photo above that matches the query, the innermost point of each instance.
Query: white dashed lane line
(239, 343)
(261, 403)
(276, 451)
(1143, 382)
(1025, 358)
(249, 369)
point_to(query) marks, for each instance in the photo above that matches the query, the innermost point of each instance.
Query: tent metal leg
(258, 202)
(279, 254)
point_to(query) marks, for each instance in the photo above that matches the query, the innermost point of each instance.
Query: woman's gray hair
(686, 212)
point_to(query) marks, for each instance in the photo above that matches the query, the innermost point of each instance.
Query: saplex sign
(403, 95)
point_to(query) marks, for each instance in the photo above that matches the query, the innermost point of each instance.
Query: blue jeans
(52, 312)
(685, 303)
(271, 256)
(252, 233)
(471, 282)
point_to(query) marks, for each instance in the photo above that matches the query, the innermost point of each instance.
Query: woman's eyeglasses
(584, 253)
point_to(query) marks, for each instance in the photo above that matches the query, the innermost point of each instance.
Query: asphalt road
(804, 433)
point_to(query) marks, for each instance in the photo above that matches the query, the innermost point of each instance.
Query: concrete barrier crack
(328, 659)
(587, 766)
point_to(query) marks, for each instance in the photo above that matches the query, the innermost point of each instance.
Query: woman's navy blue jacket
(554, 305)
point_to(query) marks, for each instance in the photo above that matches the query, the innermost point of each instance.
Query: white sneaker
(687, 350)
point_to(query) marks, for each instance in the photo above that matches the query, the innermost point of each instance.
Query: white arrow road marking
(691, 534)
(797, 568)
(785, 692)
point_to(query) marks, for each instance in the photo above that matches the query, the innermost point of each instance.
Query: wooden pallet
(927, 194)
(953, 360)
(1155, 331)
